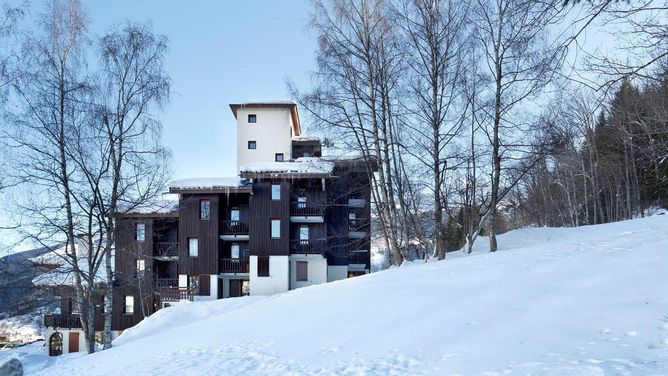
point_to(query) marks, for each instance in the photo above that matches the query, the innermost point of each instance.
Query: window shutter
(205, 284)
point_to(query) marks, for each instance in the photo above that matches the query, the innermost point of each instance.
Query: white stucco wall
(337, 272)
(278, 280)
(272, 132)
(316, 272)
(66, 338)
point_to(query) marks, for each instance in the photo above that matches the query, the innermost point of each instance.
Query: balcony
(307, 212)
(167, 283)
(234, 230)
(317, 246)
(170, 294)
(62, 321)
(232, 265)
(166, 251)
(358, 258)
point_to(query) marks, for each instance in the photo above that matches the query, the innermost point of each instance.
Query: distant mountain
(18, 294)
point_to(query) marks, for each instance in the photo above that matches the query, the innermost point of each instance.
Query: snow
(63, 273)
(306, 165)
(209, 183)
(158, 206)
(586, 301)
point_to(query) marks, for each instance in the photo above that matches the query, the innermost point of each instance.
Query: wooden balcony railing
(168, 294)
(231, 265)
(306, 209)
(166, 249)
(308, 246)
(62, 321)
(234, 228)
(361, 257)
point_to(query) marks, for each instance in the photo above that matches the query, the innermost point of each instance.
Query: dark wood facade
(262, 210)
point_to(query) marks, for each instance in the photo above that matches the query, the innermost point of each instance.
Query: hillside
(586, 301)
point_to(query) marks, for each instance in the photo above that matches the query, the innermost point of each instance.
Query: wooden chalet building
(291, 218)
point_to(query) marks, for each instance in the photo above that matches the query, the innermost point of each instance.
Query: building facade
(291, 218)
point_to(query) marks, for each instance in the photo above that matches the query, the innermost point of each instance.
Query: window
(279, 157)
(263, 266)
(234, 215)
(252, 145)
(140, 235)
(303, 233)
(302, 271)
(141, 266)
(252, 118)
(193, 247)
(275, 228)
(204, 209)
(352, 219)
(234, 251)
(275, 191)
(129, 307)
(301, 202)
(193, 283)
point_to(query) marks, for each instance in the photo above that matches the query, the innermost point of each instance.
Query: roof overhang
(225, 190)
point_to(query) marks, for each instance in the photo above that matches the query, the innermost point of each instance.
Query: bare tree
(519, 62)
(134, 83)
(50, 89)
(358, 63)
(436, 39)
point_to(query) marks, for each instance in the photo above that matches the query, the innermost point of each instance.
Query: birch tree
(436, 39)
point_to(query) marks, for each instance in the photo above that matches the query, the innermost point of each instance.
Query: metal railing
(232, 265)
(234, 228)
(308, 246)
(305, 209)
(361, 257)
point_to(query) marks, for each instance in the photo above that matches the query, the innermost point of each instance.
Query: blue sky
(221, 52)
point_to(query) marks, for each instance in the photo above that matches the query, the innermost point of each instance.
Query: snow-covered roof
(304, 165)
(156, 207)
(61, 267)
(209, 183)
(306, 138)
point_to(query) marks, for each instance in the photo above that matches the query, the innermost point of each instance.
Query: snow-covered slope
(585, 301)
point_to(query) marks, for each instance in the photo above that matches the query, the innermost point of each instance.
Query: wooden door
(73, 345)
(235, 288)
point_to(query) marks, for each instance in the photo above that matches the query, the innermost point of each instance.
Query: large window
(252, 118)
(275, 191)
(252, 145)
(263, 266)
(193, 247)
(129, 307)
(279, 157)
(275, 228)
(303, 233)
(204, 209)
(140, 234)
(234, 251)
(302, 271)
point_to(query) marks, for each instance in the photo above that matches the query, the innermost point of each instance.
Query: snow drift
(585, 301)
